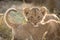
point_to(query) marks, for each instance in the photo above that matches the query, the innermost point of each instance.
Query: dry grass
(1, 19)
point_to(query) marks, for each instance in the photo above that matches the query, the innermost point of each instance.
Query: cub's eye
(38, 17)
(26, 13)
(31, 17)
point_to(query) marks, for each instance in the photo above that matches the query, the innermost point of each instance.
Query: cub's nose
(35, 22)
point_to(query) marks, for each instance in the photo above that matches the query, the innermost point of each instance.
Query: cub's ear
(44, 10)
(26, 11)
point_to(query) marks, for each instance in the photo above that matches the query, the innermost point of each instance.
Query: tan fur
(28, 31)
(53, 30)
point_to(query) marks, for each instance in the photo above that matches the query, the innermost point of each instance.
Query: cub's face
(33, 15)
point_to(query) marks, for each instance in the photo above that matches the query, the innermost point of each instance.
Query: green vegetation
(5, 32)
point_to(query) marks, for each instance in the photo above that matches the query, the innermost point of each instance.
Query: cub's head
(33, 15)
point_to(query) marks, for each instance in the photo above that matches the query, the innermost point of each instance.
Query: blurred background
(52, 5)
